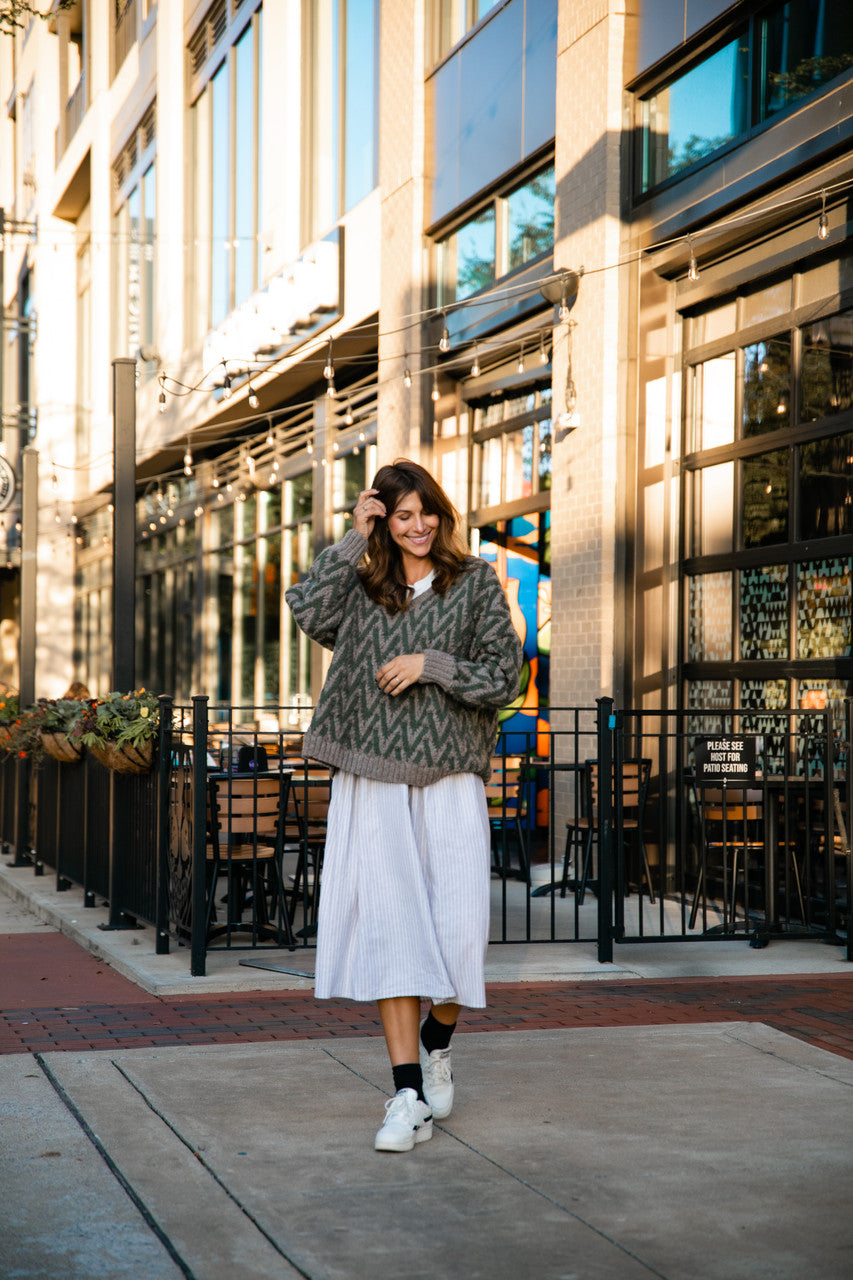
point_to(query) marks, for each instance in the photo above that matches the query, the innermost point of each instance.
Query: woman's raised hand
(366, 510)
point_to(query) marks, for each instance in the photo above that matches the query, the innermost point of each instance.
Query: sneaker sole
(420, 1135)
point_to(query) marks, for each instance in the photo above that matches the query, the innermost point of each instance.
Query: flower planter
(60, 747)
(125, 758)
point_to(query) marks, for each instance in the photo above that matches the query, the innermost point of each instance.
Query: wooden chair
(311, 792)
(731, 824)
(505, 798)
(582, 831)
(245, 834)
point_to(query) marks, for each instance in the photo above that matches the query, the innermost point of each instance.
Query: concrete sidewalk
(695, 1151)
(700, 1153)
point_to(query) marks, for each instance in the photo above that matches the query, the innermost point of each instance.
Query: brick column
(401, 178)
(589, 463)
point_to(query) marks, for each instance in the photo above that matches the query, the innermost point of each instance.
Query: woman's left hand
(400, 673)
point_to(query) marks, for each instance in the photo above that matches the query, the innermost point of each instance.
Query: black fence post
(164, 802)
(605, 725)
(198, 939)
(848, 833)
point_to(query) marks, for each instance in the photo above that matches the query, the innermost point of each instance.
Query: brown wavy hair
(382, 575)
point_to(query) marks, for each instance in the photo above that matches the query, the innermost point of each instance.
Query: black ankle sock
(408, 1075)
(435, 1034)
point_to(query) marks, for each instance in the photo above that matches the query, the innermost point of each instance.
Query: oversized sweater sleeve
(488, 677)
(318, 602)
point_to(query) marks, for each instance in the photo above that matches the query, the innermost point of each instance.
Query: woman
(425, 654)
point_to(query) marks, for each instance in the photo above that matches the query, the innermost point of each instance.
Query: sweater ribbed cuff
(352, 546)
(439, 668)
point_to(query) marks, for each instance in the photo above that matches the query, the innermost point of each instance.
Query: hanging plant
(120, 730)
(61, 725)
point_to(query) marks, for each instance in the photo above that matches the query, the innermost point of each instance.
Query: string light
(475, 367)
(520, 365)
(543, 354)
(329, 368)
(434, 393)
(693, 268)
(226, 386)
(823, 221)
(348, 418)
(254, 402)
(407, 377)
(188, 461)
(444, 340)
(564, 313)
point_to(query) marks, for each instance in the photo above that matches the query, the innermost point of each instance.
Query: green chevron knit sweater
(447, 723)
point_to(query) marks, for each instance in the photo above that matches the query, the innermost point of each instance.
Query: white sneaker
(407, 1121)
(438, 1080)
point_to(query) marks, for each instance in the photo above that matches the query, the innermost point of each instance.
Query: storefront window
(767, 386)
(512, 458)
(764, 612)
(765, 503)
(826, 487)
(824, 608)
(827, 377)
(709, 622)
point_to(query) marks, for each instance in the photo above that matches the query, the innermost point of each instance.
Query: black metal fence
(603, 829)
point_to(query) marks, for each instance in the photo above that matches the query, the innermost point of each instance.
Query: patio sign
(725, 759)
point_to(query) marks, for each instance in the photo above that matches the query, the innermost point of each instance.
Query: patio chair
(732, 826)
(582, 831)
(246, 819)
(311, 792)
(505, 799)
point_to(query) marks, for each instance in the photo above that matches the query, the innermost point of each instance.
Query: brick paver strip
(818, 1010)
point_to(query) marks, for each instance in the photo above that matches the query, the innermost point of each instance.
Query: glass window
(713, 510)
(804, 44)
(467, 258)
(515, 463)
(135, 224)
(824, 608)
(827, 367)
(492, 103)
(767, 386)
(718, 402)
(764, 612)
(788, 52)
(826, 487)
(341, 141)
(227, 121)
(709, 625)
(530, 219)
(696, 114)
(764, 501)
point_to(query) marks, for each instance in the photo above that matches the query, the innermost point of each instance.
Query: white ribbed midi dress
(404, 904)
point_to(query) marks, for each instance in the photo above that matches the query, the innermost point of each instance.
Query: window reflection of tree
(827, 375)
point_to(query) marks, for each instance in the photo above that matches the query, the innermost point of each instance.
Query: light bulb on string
(407, 377)
(564, 313)
(54, 481)
(270, 438)
(161, 401)
(188, 461)
(435, 392)
(348, 418)
(543, 354)
(475, 367)
(823, 221)
(254, 402)
(444, 340)
(693, 267)
(226, 386)
(520, 365)
(329, 367)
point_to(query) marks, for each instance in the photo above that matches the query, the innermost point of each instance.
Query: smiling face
(414, 533)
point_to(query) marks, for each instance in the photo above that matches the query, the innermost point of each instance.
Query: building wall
(591, 464)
